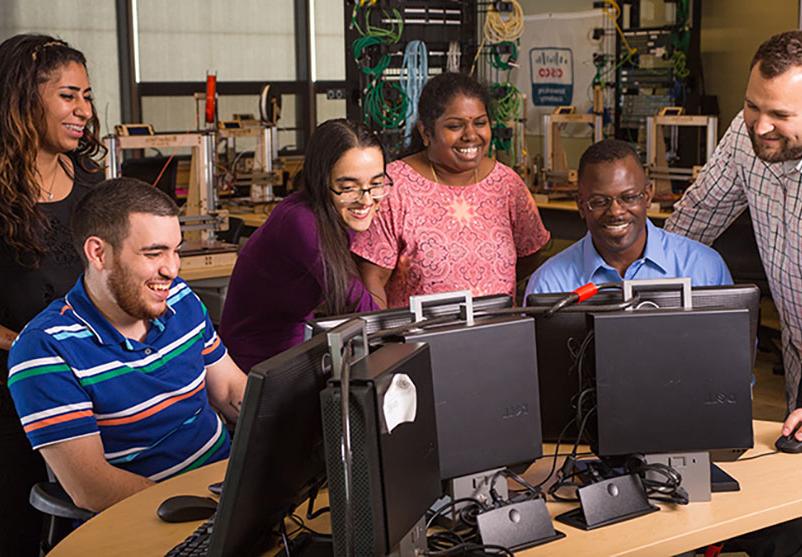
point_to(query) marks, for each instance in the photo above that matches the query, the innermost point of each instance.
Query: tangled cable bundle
(414, 73)
(499, 28)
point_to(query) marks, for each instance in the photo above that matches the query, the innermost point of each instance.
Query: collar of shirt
(654, 253)
(789, 168)
(85, 310)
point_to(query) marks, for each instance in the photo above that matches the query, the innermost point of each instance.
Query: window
(88, 25)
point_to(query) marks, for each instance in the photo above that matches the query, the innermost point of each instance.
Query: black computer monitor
(395, 470)
(277, 455)
(389, 318)
(560, 335)
(672, 381)
(487, 398)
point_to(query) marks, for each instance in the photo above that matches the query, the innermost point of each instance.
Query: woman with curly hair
(48, 138)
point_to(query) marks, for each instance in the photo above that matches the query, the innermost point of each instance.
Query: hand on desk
(791, 439)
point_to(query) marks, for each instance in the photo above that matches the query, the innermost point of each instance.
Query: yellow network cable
(498, 28)
(612, 10)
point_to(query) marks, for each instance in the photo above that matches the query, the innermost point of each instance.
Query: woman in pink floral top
(455, 219)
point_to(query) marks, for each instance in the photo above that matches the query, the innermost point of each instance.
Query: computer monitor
(559, 336)
(672, 381)
(389, 318)
(277, 454)
(395, 470)
(487, 398)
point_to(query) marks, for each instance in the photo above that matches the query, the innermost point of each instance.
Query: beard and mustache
(126, 292)
(785, 151)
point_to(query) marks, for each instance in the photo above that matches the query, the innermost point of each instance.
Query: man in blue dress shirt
(621, 243)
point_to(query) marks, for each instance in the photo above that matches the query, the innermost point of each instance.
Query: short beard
(126, 294)
(785, 153)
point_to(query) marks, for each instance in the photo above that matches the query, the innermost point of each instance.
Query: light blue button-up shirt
(667, 255)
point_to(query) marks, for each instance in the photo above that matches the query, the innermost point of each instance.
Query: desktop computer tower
(395, 470)
(672, 381)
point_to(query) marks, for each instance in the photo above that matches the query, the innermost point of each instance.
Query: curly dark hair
(778, 54)
(437, 93)
(27, 61)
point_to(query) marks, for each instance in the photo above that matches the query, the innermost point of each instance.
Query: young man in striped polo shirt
(115, 383)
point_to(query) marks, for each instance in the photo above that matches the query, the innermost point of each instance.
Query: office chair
(61, 514)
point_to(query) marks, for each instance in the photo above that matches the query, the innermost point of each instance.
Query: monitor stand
(608, 502)
(700, 477)
(474, 486)
(694, 469)
(413, 543)
(720, 481)
(517, 526)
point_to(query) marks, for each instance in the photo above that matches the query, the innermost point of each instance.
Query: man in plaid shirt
(758, 164)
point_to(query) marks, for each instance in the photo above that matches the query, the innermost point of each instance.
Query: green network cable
(500, 63)
(383, 102)
(505, 107)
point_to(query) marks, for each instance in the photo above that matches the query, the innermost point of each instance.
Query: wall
(573, 146)
(90, 26)
(731, 32)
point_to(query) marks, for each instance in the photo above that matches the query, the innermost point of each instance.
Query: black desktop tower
(396, 475)
(673, 381)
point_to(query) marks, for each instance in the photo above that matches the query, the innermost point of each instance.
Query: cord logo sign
(552, 74)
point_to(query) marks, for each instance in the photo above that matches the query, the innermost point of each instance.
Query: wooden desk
(769, 494)
(215, 265)
(252, 217)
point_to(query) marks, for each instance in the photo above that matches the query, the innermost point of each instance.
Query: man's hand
(791, 423)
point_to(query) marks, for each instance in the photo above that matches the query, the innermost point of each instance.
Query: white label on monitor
(400, 402)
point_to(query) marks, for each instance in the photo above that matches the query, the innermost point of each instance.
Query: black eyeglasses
(604, 202)
(352, 195)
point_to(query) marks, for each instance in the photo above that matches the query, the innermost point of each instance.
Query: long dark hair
(327, 145)
(27, 61)
(437, 93)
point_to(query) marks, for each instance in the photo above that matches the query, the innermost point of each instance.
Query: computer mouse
(184, 508)
(788, 444)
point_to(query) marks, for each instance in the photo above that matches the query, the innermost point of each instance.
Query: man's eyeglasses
(604, 202)
(352, 195)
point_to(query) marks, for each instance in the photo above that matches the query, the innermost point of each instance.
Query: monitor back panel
(557, 337)
(673, 381)
(486, 394)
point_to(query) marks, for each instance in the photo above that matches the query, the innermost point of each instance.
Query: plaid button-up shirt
(732, 180)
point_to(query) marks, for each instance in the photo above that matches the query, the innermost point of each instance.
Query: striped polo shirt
(72, 374)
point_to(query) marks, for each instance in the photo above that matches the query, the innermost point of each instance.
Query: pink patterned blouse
(441, 238)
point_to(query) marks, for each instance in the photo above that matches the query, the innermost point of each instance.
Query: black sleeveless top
(24, 292)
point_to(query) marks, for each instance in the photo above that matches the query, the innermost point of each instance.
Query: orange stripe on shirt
(69, 416)
(152, 410)
(65, 308)
(212, 347)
